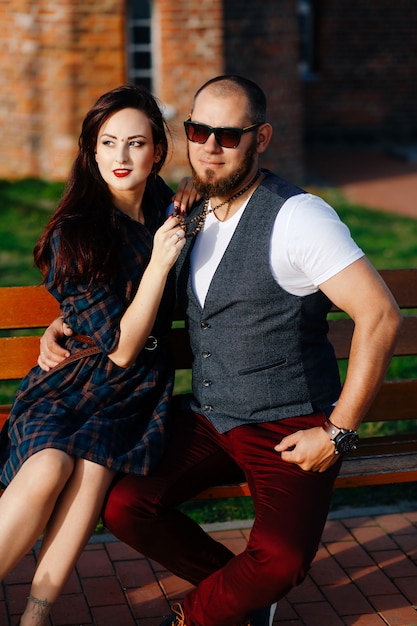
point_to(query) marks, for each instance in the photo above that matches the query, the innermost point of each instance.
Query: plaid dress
(92, 408)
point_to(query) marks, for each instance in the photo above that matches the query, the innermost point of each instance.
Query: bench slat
(403, 285)
(396, 400)
(17, 356)
(382, 471)
(26, 307)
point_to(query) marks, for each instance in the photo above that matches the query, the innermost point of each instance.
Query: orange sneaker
(177, 617)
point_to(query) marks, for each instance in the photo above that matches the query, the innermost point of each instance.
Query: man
(263, 262)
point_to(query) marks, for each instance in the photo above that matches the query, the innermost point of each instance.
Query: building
(333, 70)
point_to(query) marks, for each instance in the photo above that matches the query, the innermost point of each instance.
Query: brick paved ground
(365, 574)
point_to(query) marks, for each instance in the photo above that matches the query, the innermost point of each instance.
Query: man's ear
(263, 137)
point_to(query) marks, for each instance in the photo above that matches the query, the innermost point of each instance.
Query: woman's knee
(92, 476)
(48, 470)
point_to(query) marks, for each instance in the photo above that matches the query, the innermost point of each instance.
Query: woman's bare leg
(71, 524)
(28, 502)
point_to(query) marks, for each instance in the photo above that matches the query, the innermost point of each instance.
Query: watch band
(332, 430)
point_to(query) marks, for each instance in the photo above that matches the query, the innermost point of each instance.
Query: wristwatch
(344, 440)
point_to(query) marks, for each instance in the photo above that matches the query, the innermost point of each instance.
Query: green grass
(25, 209)
(390, 241)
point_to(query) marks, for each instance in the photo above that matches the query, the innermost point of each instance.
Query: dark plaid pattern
(92, 408)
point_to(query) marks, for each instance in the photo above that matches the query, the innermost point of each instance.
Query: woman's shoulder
(159, 189)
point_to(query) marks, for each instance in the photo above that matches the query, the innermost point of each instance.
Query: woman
(106, 256)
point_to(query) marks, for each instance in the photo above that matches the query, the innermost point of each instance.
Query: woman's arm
(139, 318)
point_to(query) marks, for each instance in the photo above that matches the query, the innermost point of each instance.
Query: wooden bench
(379, 459)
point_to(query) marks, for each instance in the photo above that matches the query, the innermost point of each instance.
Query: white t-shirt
(309, 245)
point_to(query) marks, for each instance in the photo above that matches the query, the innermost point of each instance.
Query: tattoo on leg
(40, 609)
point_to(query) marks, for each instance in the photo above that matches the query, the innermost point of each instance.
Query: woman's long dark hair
(84, 218)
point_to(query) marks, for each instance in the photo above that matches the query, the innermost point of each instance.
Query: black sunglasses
(226, 137)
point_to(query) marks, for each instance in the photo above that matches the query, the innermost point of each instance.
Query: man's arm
(51, 352)
(359, 291)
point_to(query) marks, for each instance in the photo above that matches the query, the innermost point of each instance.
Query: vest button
(204, 325)
(206, 382)
(206, 354)
(207, 408)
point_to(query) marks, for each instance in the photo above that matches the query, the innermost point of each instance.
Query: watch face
(346, 442)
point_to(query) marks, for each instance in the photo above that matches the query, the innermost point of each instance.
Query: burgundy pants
(290, 512)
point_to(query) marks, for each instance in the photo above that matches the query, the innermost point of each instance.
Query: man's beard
(228, 185)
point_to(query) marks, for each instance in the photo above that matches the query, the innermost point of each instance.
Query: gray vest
(260, 353)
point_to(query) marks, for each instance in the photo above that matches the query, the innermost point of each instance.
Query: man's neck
(225, 207)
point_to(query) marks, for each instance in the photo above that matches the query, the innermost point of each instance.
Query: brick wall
(190, 52)
(261, 42)
(56, 58)
(365, 88)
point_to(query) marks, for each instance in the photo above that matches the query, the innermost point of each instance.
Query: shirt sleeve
(309, 245)
(95, 312)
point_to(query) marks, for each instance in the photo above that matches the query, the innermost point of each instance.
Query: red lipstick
(121, 173)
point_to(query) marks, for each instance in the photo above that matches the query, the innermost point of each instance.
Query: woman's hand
(185, 196)
(168, 242)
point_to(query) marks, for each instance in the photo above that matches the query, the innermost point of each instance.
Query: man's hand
(51, 352)
(310, 449)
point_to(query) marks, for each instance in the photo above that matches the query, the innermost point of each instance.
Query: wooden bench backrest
(25, 308)
(28, 308)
